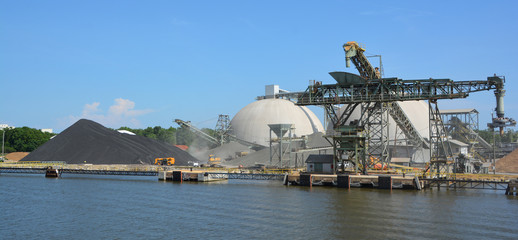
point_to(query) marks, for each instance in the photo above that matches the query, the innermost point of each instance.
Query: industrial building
(372, 122)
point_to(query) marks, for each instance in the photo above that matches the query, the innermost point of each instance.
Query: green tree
(509, 136)
(168, 135)
(158, 133)
(25, 139)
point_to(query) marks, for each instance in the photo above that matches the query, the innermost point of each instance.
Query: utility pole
(494, 152)
(3, 143)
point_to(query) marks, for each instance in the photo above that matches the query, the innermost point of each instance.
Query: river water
(115, 207)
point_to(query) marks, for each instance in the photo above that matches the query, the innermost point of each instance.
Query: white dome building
(251, 122)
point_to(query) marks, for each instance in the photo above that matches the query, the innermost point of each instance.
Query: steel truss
(351, 138)
(22, 170)
(247, 176)
(78, 171)
(377, 141)
(394, 89)
(471, 184)
(441, 155)
(223, 128)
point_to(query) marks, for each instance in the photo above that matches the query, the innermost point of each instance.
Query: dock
(210, 176)
(78, 171)
(348, 181)
(380, 180)
(387, 181)
(466, 183)
(167, 173)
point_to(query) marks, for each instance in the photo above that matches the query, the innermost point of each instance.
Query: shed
(401, 161)
(458, 147)
(320, 163)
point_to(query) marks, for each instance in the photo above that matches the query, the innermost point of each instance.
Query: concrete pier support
(177, 176)
(384, 182)
(52, 172)
(512, 188)
(305, 179)
(342, 181)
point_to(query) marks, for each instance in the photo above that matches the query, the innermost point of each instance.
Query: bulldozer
(164, 161)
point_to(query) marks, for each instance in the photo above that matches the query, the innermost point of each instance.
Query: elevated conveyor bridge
(393, 89)
(363, 141)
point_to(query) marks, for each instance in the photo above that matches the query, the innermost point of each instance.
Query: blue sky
(145, 63)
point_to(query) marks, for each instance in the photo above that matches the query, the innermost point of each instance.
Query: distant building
(405, 161)
(458, 147)
(320, 163)
(2, 126)
(46, 130)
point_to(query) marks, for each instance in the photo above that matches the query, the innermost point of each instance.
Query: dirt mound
(509, 163)
(16, 156)
(89, 142)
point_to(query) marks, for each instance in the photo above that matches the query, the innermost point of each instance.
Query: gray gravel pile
(89, 142)
(315, 140)
(225, 152)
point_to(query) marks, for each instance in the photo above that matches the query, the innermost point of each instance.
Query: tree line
(174, 136)
(509, 136)
(27, 139)
(24, 139)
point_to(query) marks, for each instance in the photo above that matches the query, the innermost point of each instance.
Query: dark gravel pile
(90, 142)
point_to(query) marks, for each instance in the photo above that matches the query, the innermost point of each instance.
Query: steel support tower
(353, 91)
(376, 122)
(462, 125)
(283, 147)
(441, 155)
(223, 128)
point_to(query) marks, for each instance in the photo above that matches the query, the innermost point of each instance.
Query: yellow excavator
(164, 161)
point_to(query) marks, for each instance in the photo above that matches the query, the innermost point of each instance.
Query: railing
(467, 183)
(393, 89)
(111, 172)
(247, 176)
(39, 168)
(32, 170)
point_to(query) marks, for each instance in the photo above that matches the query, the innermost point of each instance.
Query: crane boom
(198, 131)
(213, 139)
(354, 53)
(394, 89)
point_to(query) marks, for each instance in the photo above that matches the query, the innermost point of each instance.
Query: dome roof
(251, 122)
